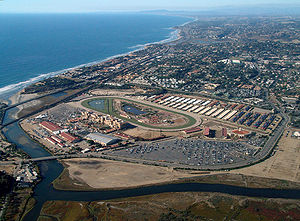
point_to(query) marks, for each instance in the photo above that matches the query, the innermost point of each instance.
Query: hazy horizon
(76, 6)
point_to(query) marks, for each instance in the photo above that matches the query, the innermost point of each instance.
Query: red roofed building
(123, 135)
(192, 130)
(224, 132)
(209, 132)
(49, 139)
(206, 131)
(110, 130)
(69, 137)
(56, 139)
(240, 133)
(50, 126)
(61, 145)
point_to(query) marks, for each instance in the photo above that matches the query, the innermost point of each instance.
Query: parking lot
(63, 113)
(257, 140)
(191, 152)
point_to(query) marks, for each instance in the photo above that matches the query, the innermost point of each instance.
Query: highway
(43, 107)
(36, 98)
(270, 144)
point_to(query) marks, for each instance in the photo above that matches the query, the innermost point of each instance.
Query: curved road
(195, 116)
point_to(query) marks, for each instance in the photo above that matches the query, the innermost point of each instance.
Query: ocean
(36, 46)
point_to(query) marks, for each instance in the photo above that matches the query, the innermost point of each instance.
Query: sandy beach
(19, 97)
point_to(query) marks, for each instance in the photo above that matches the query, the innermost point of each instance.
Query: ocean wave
(13, 88)
(17, 86)
(138, 46)
(171, 37)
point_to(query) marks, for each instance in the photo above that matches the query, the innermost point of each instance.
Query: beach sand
(19, 97)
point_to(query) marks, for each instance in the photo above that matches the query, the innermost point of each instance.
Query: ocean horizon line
(212, 8)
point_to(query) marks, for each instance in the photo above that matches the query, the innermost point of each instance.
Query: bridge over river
(43, 159)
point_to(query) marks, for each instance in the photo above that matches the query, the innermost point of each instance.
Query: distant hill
(234, 10)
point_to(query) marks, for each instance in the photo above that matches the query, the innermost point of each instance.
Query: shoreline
(18, 97)
(12, 89)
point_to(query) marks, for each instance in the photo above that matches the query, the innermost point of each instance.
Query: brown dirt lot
(285, 164)
(103, 174)
(279, 171)
(93, 174)
(149, 134)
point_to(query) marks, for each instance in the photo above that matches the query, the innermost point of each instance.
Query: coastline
(50, 170)
(11, 90)
(18, 97)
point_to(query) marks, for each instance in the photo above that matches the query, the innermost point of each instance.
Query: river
(50, 170)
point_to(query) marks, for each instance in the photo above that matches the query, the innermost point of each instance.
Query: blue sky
(104, 5)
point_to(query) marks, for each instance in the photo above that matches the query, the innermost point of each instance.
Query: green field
(108, 109)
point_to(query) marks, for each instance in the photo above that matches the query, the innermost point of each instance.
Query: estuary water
(36, 46)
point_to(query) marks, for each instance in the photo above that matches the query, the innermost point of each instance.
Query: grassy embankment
(175, 206)
(108, 109)
(64, 182)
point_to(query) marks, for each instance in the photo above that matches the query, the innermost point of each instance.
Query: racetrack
(192, 119)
